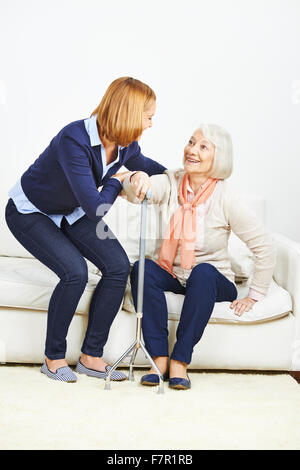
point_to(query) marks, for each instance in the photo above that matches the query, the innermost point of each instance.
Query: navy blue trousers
(205, 286)
(63, 251)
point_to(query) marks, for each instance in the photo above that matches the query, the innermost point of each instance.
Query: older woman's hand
(242, 305)
(140, 183)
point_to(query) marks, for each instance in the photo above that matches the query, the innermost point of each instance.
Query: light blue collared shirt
(26, 207)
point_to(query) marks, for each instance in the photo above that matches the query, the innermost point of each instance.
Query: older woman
(200, 209)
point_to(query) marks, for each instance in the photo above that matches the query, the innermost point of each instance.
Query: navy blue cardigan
(69, 171)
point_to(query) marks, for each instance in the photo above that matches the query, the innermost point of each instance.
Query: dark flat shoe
(153, 379)
(180, 383)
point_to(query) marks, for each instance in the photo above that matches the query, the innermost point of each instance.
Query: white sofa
(266, 338)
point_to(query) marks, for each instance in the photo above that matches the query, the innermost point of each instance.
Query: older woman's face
(198, 154)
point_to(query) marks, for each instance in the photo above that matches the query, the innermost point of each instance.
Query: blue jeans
(63, 251)
(205, 286)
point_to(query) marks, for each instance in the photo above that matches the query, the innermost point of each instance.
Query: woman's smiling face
(148, 114)
(198, 154)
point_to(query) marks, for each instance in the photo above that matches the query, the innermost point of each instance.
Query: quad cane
(139, 314)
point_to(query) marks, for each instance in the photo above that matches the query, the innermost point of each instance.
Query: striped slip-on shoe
(64, 374)
(117, 376)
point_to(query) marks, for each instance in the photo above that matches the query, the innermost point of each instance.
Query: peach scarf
(183, 226)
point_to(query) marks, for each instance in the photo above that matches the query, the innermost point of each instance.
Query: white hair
(223, 159)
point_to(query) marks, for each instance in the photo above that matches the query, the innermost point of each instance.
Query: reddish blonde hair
(120, 112)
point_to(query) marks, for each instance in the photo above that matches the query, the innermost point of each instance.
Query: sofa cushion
(276, 304)
(27, 283)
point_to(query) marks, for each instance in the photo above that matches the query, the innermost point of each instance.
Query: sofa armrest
(287, 274)
(287, 271)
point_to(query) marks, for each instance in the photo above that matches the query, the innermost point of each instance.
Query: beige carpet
(223, 410)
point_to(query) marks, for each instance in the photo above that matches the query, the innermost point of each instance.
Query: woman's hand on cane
(140, 183)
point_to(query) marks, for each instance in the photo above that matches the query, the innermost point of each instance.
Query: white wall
(231, 62)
